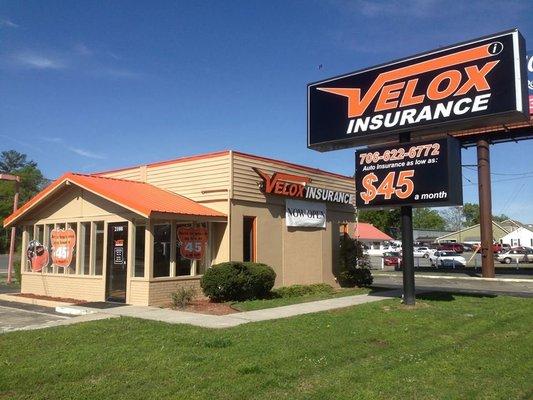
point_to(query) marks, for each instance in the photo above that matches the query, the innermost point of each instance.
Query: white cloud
(6, 23)
(38, 61)
(86, 153)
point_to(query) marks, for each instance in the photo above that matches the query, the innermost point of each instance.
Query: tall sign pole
(407, 245)
(485, 208)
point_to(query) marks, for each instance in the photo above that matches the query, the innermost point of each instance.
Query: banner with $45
(418, 174)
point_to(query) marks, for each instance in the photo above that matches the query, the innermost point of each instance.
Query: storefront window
(99, 247)
(85, 248)
(161, 250)
(46, 238)
(72, 266)
(139, 251)
(191, 249)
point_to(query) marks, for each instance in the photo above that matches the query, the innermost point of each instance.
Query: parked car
(447, 259)
(496, 248)
(423, 251)
(468, 247)
(455, 247)
(516, 254)
(392, 259)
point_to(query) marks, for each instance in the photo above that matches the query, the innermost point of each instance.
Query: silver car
(516, 256)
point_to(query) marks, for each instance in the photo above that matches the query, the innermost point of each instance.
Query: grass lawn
(250, 305)
(448, 347)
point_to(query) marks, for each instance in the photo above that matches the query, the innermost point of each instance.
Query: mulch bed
(41, 297)
(208, 307)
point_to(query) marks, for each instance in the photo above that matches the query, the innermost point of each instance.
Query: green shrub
(302, 290)
(356, 276)
(238, 281)
(354, 265)
(183, 296)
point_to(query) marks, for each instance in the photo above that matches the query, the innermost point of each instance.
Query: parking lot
(473, 264)
(17, 316)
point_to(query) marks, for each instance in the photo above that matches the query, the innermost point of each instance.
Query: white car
(519, 254)
(423, 251)
(447, 259)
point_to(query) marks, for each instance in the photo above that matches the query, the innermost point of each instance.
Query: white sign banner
(305, 213)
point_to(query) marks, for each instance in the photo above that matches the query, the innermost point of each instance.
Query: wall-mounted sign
(473, 84)
(305, 214)
(417, 174)
(192, 241)
(298, 187)
(62, 242)
(38, 256)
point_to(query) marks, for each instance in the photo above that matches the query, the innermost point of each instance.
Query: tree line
(31, 182)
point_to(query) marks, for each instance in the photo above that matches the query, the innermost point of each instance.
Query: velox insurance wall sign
(300, 213)
(418, 174)
(296, 186)
(474, 84)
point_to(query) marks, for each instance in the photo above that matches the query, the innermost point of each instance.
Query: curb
(37, 302)
(462, 278)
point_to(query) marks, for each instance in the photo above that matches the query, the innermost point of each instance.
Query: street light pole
(16, 179)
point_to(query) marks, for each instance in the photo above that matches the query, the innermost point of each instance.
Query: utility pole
(485, 208)
(16, 179)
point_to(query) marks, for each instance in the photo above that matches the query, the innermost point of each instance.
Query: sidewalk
(228, 321)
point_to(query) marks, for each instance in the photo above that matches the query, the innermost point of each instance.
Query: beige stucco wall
(297, 255)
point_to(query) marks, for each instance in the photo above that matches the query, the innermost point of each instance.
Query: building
(428, 236)
(519, 237)
(374, 240)
(136, 234)
(472, 234)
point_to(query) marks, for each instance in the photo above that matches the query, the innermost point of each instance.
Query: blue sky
(89, 86)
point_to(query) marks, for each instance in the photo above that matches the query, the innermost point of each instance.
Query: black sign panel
(418, 174)
(474, 84)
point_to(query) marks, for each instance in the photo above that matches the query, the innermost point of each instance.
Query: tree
(12, 160)
(387, 221)
(426, 218)
(471, 213)
(31, 182)
(454, 218)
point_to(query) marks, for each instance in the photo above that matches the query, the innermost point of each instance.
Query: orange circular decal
(192, 242)
(63, 242)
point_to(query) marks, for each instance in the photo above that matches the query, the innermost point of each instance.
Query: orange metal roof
(226, 152)
(138, 197)
(365, 231)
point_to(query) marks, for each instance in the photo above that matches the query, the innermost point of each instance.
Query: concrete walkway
(231, 320)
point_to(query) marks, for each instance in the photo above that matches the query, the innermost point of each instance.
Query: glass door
(117, 250)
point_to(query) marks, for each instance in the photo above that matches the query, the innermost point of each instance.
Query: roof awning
(366, 231)
(139, 197)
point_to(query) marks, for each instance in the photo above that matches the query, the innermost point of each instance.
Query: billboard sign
(474, 84)
(418, 174)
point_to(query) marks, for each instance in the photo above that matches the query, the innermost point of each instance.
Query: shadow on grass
(447, 296)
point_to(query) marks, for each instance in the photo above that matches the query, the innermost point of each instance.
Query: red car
(496, 248)
(392, 259)
(456, 247)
